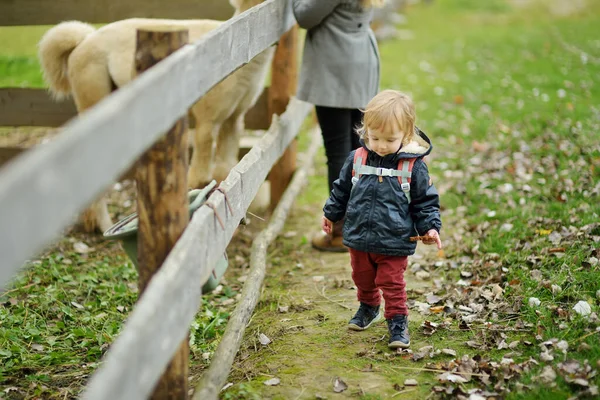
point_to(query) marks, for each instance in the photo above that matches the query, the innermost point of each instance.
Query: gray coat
(340, 63)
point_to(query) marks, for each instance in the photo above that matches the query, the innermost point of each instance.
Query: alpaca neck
(246, 5)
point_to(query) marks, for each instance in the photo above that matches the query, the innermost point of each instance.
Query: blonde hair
(372, 3)
(390, 111)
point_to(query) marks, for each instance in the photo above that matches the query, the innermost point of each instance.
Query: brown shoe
(325, 242)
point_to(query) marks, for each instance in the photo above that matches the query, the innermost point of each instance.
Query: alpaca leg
(90, 85)
(96, 217)
(228, 146)
(202, 162)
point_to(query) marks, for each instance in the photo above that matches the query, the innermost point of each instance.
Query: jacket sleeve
(425, 204)
(310, 13)
(335, 207)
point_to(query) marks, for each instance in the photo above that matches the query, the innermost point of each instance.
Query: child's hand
(326, 225)
(433, 237)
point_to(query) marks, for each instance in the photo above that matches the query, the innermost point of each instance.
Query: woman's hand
(326, 225)
(433, 237)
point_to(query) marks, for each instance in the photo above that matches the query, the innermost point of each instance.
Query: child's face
(384, 143)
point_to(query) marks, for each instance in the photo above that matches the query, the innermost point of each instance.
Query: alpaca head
(243, 5)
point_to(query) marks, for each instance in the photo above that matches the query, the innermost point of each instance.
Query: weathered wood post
(284, 72)
(162, 202)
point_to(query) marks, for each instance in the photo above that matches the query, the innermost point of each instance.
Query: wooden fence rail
(155, 327)
(45, 12)
(44, 188)
(36, 107)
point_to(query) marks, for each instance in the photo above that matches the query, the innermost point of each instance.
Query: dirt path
(307, 300)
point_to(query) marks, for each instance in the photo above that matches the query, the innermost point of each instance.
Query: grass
(19, 66)
(521, 84)
(510, 99)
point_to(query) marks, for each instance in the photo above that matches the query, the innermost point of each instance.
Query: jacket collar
(419, 146)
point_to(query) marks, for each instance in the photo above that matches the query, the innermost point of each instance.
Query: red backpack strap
(360, 158)
(405, 167)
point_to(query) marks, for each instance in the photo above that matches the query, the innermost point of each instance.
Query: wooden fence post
(284, 72)
(162, 202)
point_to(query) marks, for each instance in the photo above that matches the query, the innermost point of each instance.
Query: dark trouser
(373, 272)
(338, 126)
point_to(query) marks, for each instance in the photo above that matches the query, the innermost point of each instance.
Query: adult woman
(339, 75)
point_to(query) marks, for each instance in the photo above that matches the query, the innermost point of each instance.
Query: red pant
(373, 272)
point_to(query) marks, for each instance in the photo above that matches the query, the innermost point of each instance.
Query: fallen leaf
(77, 305)
(556, 289)
(466, 274)
(563, 346)
(37, 347)
(582, 308)
(432, 298)
(272, 382)
(437, 309)
(339, 385)
(534, 302)
(548, 375)
(449, 352)
(557, 250)
(581, 382)
(263, 339)
(449, 377)
(423, 275)
(497, 290)
(422, 307)
(546, 356)
(82, 248)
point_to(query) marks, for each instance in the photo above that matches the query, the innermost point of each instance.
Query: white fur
(86, 63)
(416, 146)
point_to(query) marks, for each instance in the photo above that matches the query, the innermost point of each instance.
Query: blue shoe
(364, 317)
(398, 327)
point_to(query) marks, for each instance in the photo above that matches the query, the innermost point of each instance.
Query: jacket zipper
(374, 193)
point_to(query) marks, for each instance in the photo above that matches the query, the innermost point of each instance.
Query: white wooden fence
(43, 188)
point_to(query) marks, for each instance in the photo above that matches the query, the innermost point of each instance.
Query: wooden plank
(44, 12)
(35, 107)
(162, 315)
(97, 146)
(283, 78)
(8, 153)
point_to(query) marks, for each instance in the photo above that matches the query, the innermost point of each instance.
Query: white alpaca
(78, 60)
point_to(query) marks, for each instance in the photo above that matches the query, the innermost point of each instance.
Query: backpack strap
(403, 172)
(405, 167)
(360, 160)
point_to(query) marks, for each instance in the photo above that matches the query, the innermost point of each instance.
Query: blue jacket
(378, 218)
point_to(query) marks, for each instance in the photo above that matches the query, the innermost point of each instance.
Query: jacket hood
(419, 146)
